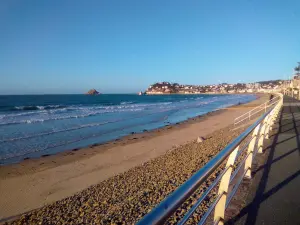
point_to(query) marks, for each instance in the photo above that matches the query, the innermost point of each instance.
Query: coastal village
(223, 88)
(159, 88)
(175, 88)
(287, 86)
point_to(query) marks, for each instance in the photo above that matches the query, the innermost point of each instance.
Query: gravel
(127, 197)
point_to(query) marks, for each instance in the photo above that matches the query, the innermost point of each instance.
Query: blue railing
(260, 129)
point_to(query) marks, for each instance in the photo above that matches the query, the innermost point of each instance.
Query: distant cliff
(92, 92)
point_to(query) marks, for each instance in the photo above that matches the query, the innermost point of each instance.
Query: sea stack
(92, 92)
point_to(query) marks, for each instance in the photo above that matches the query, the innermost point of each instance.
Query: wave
(36, 120)
(33, 107)
(83, 132)
(126, 103)
(54, 132)
(61, 112)
(54, 145)
(171, 110)
(73, 112)
(80, 127)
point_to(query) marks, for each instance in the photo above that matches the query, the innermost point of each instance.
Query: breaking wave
(37, 107)
(73, 121)
(72, 112)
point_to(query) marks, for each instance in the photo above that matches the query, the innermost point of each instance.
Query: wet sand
(38, 182)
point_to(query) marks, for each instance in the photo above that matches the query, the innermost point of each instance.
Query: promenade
(274, 196)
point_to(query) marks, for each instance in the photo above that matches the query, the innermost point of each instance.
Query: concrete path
(274, 195)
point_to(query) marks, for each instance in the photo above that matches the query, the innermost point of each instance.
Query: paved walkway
(274, 195)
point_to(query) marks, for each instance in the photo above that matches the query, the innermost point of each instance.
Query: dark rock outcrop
(92, 92)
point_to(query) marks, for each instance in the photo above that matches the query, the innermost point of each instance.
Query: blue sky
(58, 46)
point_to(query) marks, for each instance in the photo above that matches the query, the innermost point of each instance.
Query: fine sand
(34, 183)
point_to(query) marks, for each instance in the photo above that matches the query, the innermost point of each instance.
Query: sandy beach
(131, 174)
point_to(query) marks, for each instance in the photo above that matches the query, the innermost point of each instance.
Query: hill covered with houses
(175, 88)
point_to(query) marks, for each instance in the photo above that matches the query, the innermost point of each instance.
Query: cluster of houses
(292, 87)
(175, 88)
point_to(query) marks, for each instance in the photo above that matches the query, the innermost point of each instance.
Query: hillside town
(175, 88)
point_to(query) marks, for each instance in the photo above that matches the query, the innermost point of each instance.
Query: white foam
(126, 103)
(79, 111)
(132, 111)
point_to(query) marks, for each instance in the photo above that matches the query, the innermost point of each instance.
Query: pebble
(127, 197)
(200, 139)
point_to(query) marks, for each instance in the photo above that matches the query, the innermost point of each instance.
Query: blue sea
(35, 125)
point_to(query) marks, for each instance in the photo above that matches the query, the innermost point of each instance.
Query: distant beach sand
(35, 183)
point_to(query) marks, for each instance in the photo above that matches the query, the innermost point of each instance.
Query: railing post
(269, 123)
(261, 136)
(248, 162)
(273, 118)
(276, 113)
(265, 107)
(223, 188)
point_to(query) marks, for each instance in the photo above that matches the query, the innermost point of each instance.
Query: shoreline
(47, 159)
(127, 139)
(41, 181)
(14, 160)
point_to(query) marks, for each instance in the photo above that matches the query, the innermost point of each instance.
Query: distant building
(253, 85)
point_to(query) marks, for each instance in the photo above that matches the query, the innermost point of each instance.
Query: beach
(131, 174)
(39, 125)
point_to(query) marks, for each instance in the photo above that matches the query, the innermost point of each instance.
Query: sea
(35, 125)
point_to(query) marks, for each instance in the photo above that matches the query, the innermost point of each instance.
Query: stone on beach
(200, 139)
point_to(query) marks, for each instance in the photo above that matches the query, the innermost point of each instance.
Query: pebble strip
(127, 197)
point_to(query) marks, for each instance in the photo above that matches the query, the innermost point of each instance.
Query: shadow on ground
(284, 143)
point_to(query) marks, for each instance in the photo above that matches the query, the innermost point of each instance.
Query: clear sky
(59, 46)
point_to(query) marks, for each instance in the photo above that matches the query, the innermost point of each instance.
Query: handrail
(261, 107)
(200, 200)
(169, 205)
(251, 115)
(206, 215)
(263, 104)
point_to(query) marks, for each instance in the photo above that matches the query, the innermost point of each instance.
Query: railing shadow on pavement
(234, 164)
(251, 210)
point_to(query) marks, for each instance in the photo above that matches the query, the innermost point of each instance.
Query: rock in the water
(200, 139)
(92, 92)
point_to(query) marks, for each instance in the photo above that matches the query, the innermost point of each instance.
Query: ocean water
(31, 126)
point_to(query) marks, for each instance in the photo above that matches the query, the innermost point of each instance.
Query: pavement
(274, 194)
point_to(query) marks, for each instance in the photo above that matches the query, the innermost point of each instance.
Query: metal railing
(257, 133)
(263, 107)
